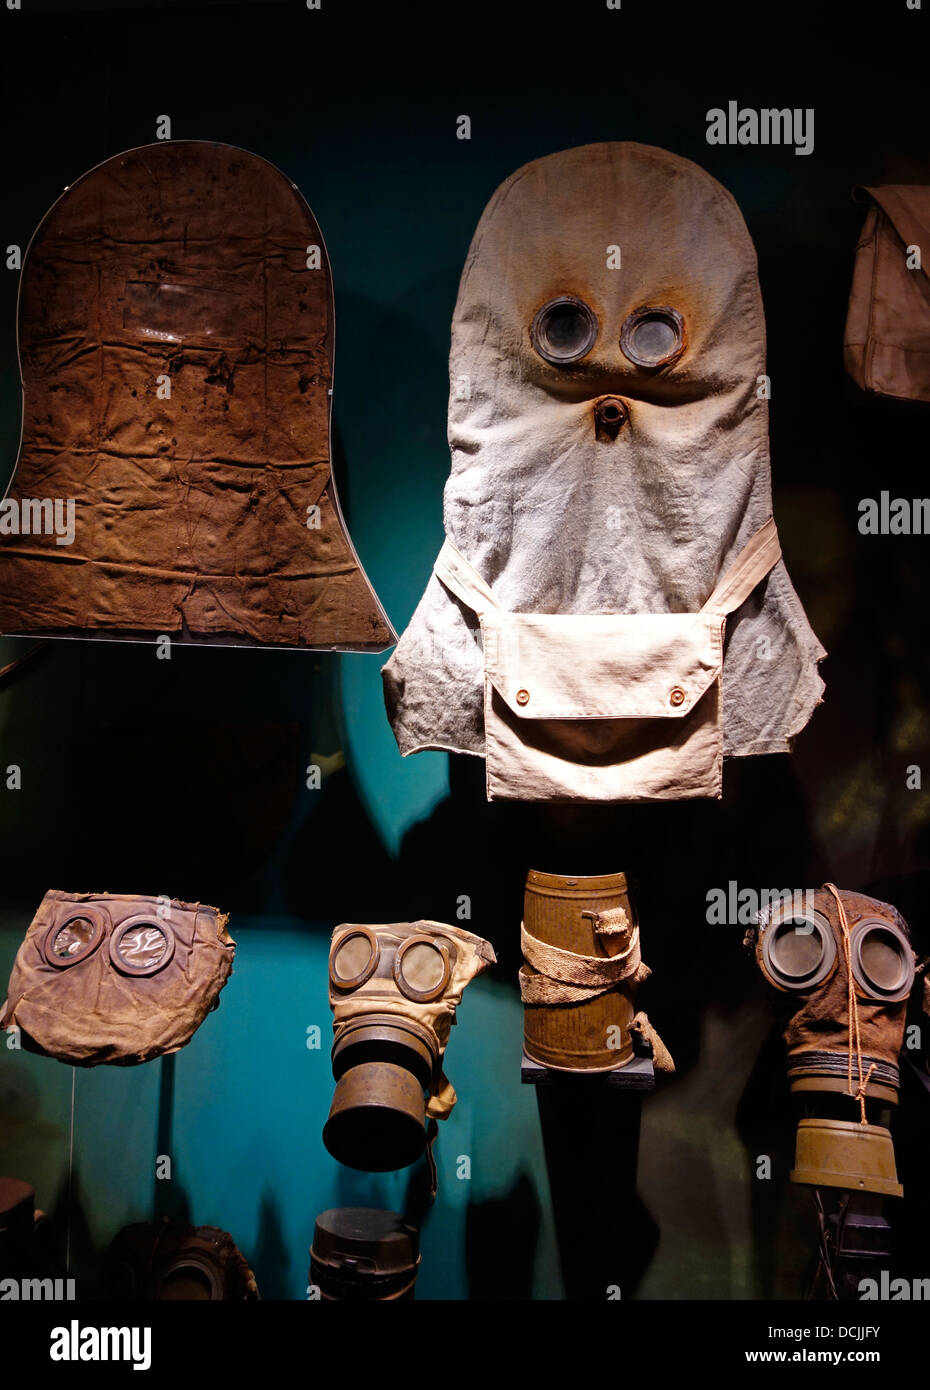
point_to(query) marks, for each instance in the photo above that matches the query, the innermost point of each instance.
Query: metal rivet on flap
(676, 696)
(523, 697)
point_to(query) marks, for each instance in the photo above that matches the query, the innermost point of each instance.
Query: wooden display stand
(590, 1131)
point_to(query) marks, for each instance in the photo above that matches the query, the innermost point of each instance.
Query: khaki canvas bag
(887, 342)
(615, 707)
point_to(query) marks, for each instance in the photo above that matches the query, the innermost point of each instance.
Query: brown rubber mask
(176, 347)
(839, 980)
(112, 978)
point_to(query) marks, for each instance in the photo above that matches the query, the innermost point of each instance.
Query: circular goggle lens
(74, 937)
(882, 960)
(141, 947)
(354, 959)
(653, 337)
(188, 1281)
(69, 942)
(421, 969)
(798, 951)
(564, 330)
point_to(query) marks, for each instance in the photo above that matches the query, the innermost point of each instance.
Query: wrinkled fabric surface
(556, 518)
(887, 342)
(380, 996)
(89, 1012)
(570, 977)
(605, 708)
(182, 266)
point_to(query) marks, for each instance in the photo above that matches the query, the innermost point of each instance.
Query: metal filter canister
(364, 1255)
(593, 1033)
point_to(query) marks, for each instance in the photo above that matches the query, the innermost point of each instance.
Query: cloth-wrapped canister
(581, 948)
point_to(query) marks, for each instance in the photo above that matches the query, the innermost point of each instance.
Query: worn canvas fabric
(176, 348)
(577, 707)
(104, 977)
(887, 342)
(602, 491)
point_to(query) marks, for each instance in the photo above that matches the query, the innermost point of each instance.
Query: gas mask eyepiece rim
(350, 982)
(546, 345)
(411, 991)
(798, 975)
(636, 352)
(186, 1266)
(138, 922)
(866, 978)
(99, 922)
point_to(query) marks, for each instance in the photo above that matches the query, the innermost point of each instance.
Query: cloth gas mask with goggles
(609, 503)
(846, 967)
(113, 978)
(394, 990)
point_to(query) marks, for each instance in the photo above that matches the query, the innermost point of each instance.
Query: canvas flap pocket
(627, 666)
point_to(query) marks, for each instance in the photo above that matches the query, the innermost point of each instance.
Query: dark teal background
(187, 777)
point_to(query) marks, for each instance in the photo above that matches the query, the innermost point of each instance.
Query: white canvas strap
(760, 554)
(463, 580)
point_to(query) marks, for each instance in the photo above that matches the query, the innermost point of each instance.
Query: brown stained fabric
(556, 976)
(90, 1012)
(887, 340)
(185, 261)
(661, 1057)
